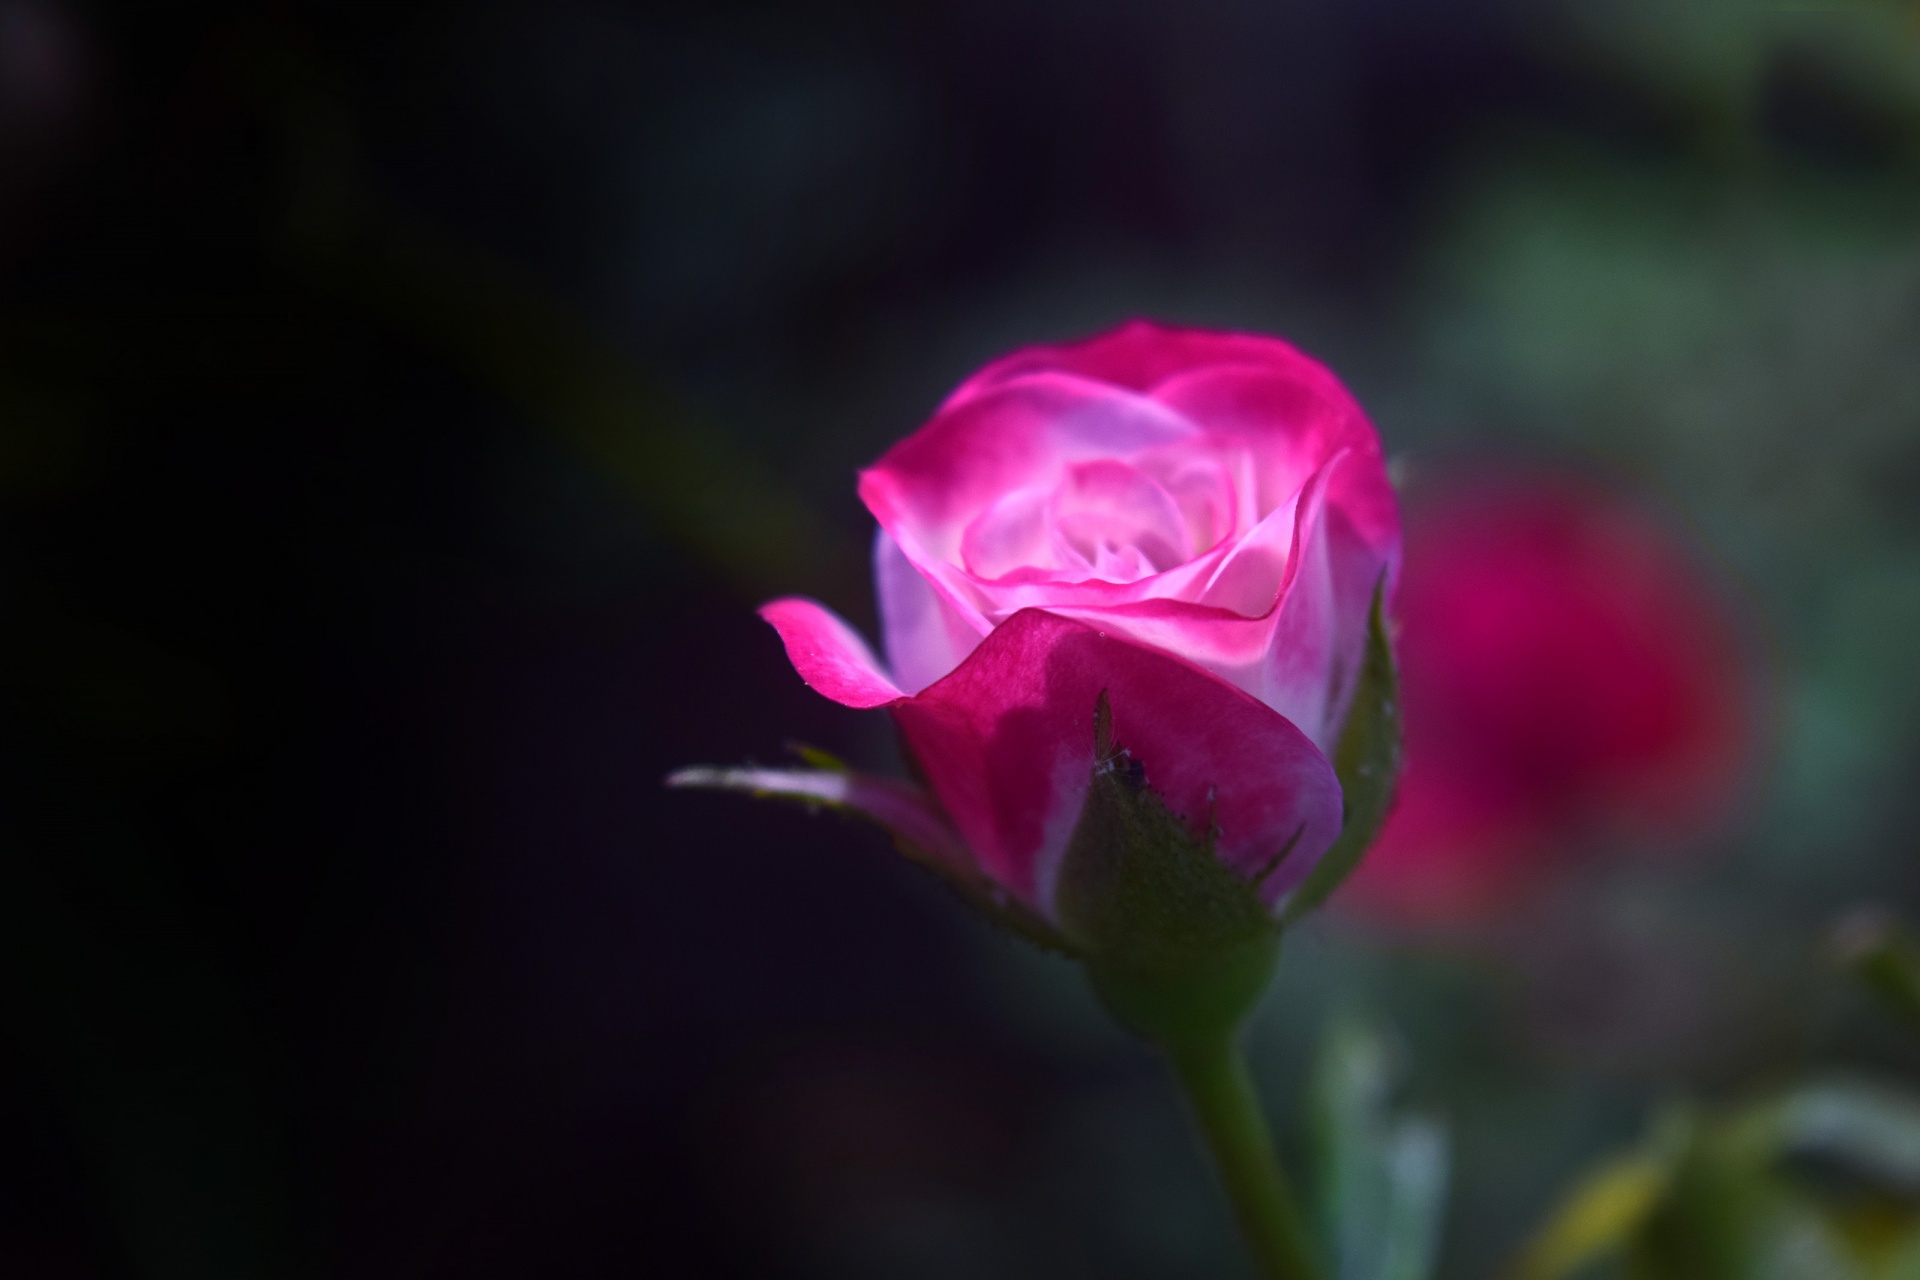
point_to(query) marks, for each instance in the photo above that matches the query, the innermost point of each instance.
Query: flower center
(1105, 519)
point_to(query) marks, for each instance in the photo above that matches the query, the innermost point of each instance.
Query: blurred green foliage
(1379, 1177)
(1816, 1182)
(1732, 321)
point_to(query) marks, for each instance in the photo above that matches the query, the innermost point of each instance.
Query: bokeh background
(402, 408)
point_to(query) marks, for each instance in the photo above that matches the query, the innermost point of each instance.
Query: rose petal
(930, 486)
(1138, 355)
(1123, 564)
(1006, 742)
(1011, 535)
(993, 600)
(1109, 506)
(1355, 568)
(926, 636)
(1303, 672)
(1250, 578)
(1201, 487)
(830, 655)
(1296, 416)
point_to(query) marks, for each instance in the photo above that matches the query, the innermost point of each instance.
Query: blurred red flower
(1574, 678)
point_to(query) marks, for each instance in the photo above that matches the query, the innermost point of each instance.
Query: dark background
(403, 407)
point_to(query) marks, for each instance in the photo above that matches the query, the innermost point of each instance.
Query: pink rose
(1194, 523)
(1572, 675)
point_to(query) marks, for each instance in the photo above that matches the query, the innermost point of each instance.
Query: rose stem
(1213, 1075)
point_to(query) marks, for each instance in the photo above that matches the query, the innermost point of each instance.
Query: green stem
(1213, 1073)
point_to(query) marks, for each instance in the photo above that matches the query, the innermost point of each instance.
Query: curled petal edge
(830, 655)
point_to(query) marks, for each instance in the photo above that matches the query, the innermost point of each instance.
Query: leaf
(1367, 761)
(1598, 1218)
(819, 757)
(1718, 1208)
(1419, 1164)
(1707, 1200)
(1381, 1179)
(1614, 1206)
(1796, 1243)
(1872, 1130)
(920, 829)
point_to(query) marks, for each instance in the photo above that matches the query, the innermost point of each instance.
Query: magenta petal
(830, 655)
(1301, 661)
(1006, 742)
(1138, 355)
(1266, 624)
(1300, 416)
(935, 482)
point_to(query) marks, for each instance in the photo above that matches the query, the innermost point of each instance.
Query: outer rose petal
(830, 655)
(1006, 742)
(1139, 355)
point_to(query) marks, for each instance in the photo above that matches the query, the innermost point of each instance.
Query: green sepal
(1000, 908)
(819, 757)
(1178, 946)
(1367, 762)
(921, 831)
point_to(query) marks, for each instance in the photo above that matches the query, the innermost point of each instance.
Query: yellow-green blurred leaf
(1598, 1218)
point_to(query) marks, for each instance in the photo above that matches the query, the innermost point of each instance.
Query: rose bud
(1574, 677)
(1131, 591)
